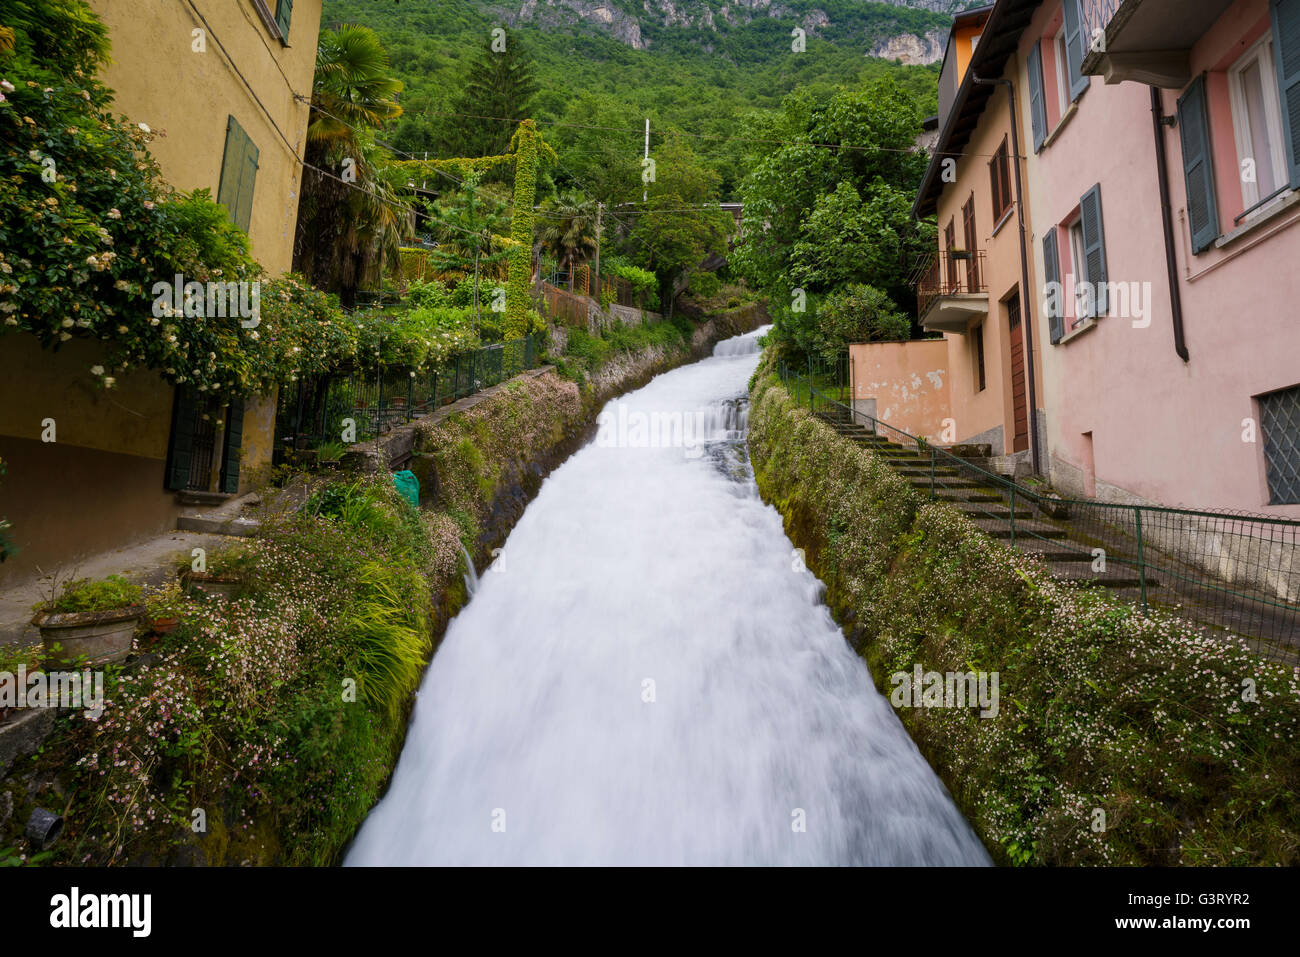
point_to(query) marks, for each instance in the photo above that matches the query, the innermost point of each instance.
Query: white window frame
(1062, 72)
(1261, 51)
(1078, 270)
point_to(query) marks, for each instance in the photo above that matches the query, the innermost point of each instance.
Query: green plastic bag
(408, 485)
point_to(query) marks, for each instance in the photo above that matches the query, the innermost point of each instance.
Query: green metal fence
(378, 401)
(1228, 571)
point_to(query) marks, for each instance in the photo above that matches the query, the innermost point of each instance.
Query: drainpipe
(1025, 313)
(1166, 219)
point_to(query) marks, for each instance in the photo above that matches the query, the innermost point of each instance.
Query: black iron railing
(952, 273)
(362, 405)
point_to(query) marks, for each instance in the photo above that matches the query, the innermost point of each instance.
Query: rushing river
(646, 675)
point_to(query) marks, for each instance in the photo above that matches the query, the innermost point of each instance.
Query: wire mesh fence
(318, 410)
(1226, 571)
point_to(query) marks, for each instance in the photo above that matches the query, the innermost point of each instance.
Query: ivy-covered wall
(1120, 739)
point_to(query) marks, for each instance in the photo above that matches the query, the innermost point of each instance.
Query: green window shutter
(1198, 166)
(1074, 48)
(1094, 247)
(180, 446)
(283, 14)
(231, 446)
(1054, 297)
(1286, 53)
(238, 174)
(1037, 104)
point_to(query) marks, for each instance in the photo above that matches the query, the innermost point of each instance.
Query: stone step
(240, 527)
(1079, 573)
(193, 497)
(947, 485)
(999, 511)
(1030, 530)
(977, 496)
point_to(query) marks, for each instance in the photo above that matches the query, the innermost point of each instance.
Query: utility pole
(600, 208)
(645, 193)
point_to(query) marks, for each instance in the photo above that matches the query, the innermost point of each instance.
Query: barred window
(1279, 423)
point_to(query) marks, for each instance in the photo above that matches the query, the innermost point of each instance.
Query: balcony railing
(1096, 16)
(955, 272)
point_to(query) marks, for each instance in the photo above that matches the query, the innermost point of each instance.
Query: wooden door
(1019, 402)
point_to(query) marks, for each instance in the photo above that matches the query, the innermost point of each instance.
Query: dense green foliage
(832, 207)
(85, 595)
(1102, 708)
(698, 80)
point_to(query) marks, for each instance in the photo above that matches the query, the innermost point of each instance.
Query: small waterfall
(471, 576)
(746, 345)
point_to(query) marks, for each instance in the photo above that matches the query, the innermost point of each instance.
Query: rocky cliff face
(628, 20)
(909, 48)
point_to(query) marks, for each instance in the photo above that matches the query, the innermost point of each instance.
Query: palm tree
(353, 211)
(568, 227)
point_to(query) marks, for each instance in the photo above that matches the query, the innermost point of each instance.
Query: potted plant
(89, 621)
(165, 608)
(330, 454)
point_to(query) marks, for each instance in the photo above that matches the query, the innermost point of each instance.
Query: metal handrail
(1182, 555)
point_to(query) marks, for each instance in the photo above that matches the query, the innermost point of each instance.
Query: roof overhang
(1006, 22)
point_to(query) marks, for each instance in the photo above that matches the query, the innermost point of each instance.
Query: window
(238, 174)
(977, 346)
(1062, 73)
(1279, 425)
(1257, 123)
(1078, 270)
(1000, 181)
(968, 227)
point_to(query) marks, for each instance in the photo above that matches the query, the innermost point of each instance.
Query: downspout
(1026, 316)
(1167, 220)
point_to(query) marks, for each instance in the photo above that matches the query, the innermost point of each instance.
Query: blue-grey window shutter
(1054, 297)
(1286, 53)
(283, 14)
(1037, 105)
(1074, 48)
(1094, 247)
(1198, 166)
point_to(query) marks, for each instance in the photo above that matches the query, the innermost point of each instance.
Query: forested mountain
(697, 66)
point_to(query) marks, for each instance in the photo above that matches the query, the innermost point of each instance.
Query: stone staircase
(988, 504)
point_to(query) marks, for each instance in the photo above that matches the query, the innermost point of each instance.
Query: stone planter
(218, 586)
(97, 637)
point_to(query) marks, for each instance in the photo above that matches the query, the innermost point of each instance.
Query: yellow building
(226, 84)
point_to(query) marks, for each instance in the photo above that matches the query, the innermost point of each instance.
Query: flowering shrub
(88, 227)
(1184, 742)
(280, 712)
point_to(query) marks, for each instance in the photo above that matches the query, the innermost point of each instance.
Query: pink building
(1163, 162)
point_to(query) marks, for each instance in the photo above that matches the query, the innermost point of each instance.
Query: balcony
(1146, 41)
(950, 290)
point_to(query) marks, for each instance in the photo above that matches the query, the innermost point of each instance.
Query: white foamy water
(646, 676)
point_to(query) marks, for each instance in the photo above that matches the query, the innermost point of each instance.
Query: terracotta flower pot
(164, 626)
(97, 637)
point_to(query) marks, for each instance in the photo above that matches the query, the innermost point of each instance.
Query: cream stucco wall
(160, 80)
(976, 411)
